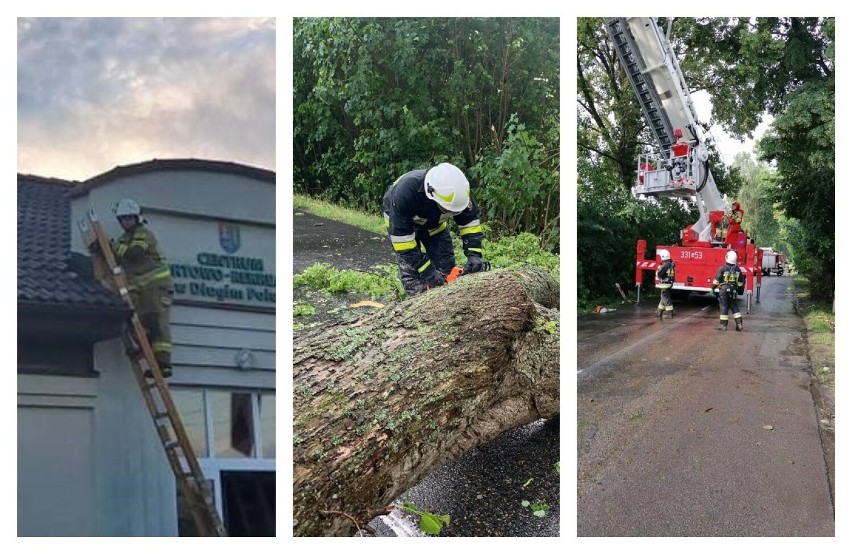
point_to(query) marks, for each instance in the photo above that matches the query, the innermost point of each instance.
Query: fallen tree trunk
(381, 402)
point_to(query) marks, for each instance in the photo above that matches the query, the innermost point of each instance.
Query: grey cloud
(159, 87)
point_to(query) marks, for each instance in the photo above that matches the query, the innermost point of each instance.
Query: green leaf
(525, 503)
(539, 513)
(430, 524)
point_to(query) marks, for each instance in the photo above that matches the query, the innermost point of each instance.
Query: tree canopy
(377, 97)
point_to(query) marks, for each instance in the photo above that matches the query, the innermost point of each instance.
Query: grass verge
(819, 325)
(321, 208)
(820, 342)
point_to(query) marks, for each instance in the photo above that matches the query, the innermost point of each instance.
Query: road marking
(401, 526)
(627, 349)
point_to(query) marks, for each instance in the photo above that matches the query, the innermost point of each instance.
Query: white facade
(89, 460)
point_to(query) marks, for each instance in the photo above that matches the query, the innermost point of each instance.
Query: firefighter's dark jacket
(666, 274)
(729, 274)
(412, 216)
(140, 257)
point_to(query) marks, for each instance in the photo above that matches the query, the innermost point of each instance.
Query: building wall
(189, 211)
(56, 456)
(93, 446)
(135, 493)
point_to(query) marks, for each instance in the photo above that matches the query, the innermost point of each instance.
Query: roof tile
(44, 248)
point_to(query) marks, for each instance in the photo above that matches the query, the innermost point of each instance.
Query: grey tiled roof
(47, 271)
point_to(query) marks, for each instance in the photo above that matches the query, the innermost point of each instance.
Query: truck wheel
(780, 272)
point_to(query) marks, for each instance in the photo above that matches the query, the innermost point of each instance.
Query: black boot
(166, 371)
(722, 327)
(739, 324)
(660, 314)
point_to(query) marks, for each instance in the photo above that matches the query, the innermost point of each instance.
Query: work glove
(434, 278)
(474, 264)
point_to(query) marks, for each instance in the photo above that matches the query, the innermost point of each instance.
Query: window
(233, 424)
(190, 406)
(267, 425)
(228, 424)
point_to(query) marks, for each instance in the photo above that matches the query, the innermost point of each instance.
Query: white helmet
(447, 185)
(664, 255)
(731, 257)
(127, 206)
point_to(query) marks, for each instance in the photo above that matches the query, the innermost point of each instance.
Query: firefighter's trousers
(153, 304)
(729, 303)
(666, 299)
(439, 249)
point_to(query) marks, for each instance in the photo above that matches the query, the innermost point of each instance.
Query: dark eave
(84, 322)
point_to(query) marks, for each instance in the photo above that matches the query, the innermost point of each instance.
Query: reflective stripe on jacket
(409, 213)
(666, 274)
(139, 255)
(729, 274)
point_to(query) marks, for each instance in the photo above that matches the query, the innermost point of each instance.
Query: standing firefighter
(665, 274)
(729, 279)
(417, 209)
(150, 283)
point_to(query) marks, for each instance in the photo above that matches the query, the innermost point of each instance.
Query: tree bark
(382, 401)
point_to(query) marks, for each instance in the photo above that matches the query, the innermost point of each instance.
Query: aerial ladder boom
(680, 167)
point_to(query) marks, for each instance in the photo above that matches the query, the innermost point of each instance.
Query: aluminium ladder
(194, 489)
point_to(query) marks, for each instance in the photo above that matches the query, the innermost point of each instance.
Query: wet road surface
(683, 430)
(482, 490)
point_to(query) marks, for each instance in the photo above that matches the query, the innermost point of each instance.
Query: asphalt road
(483, 490)
(684, 430)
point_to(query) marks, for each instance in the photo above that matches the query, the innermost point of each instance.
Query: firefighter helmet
(664, 255)
(731, 257)
(736, 206)
(127, 206)
(447, 185)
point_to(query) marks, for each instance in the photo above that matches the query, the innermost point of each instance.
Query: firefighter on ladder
(728, 280)
(665, 274)
(149, 281)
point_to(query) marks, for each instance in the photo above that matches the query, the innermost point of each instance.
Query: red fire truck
(680, 167)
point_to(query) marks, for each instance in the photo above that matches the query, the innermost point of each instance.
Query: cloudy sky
(95, 93)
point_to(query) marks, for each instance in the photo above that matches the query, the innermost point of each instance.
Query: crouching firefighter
(665, 275)
(417, 208)
(149, 282)
(728, 280)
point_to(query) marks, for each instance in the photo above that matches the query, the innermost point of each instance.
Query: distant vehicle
(772, 262)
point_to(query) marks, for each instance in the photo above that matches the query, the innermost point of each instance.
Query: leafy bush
(381, 284)
(520, 251)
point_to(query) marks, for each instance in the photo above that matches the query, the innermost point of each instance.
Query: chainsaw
(458, 271)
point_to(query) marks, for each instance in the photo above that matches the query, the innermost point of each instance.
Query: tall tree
(785, 67)
(376, 97)
(762, 220)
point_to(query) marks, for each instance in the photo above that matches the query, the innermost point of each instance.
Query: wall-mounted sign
(224, 279)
